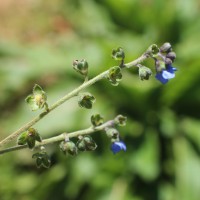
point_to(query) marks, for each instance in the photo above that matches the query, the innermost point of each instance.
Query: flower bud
(168, 61)
(29, 137)
(118, 54)
(114, 75)
(89, 143)
(166, 47)
(96, 120)
(38, 99)
(42, 159)
(86, 100)
(120, 120)
(171, 56)
(81, 66)
(144, 73)
(86, 143)
(68, 147)
(81, 145)
(112, 133)
(160, 65)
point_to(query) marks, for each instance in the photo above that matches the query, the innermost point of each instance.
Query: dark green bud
(144, 73)
(112, 133)
(86, 100)
(166, 47)
(120, 120)
(114, 75)
(118, 54)
(81, 145)
(89, 143)
(171, 56)
(81, 66)
(68, 147)
(153, 50)
(42, 159)
(29, 137)
(96, 120)
(86, 143)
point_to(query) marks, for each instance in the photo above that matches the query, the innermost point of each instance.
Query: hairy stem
(73, 93)
(62, 137)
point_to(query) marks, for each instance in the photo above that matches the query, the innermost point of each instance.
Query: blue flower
(118, 146)
(166, 74)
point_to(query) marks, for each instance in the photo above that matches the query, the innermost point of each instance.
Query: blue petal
(118, 146)
(160, 77)
(171, 69)
(167, 75)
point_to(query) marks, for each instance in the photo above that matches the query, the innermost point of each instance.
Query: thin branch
(73, 93)
(62, 137)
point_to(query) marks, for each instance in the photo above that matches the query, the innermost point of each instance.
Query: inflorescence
(30, 137)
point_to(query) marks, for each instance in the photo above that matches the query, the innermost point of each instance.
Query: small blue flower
(166, 74)
(118, 146)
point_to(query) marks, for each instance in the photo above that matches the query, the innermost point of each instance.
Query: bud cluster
(163, 63)
(29, 137)
(84, 143)
(116, 143)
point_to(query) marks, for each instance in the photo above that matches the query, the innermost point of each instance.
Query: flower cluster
(116, 143)
(163, 61)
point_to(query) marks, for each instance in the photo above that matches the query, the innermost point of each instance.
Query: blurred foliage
(39, 41)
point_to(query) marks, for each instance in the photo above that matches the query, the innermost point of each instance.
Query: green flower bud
(112, 133)
(42, 159)
(22, 139)
(89, 143)
(114, 75)
(86, 143)
(81, 66)
(29, 137)
(81, 145)
(118, 54)
(166, 47)
(153, 50)
(144, 73)
(96, 120)
(38, 99)
(86, 100)
(160, 65)
(68, 147)
(120, 120)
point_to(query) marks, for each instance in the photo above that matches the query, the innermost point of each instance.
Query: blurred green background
(38, 42)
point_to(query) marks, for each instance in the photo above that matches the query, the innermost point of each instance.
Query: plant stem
(73, 93)
(62, 137)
